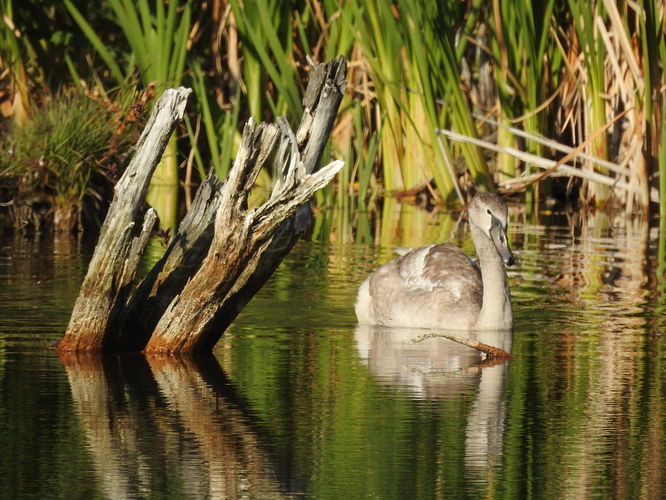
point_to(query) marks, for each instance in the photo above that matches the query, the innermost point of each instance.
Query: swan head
(490, 214)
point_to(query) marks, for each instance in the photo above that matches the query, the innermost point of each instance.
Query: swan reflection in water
(434, 367)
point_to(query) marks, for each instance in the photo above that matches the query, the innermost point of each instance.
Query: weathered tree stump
(223, 252)
(123, 236)
(194, 318)
(166, 279)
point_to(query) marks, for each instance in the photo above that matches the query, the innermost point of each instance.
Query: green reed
(653, 35)
(518, 35)
(560, 71)
(554, 70)
(18, 58)
(594, 107)
(220, 127)
(411, 59)
(265, 28)
(157, 35)
(268, 83)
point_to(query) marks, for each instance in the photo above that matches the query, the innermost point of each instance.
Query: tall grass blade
(96, 42)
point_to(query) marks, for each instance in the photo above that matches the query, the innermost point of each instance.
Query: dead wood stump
(124, 235)
(223, 252)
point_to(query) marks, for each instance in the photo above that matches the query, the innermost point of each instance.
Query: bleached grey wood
(123, 236)
(192, 321)
(223, 252)
(181, 259)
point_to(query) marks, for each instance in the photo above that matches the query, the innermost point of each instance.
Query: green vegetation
(511, 72)
(63, 152)
(157, 42)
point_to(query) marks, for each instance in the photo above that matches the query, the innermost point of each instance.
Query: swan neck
(496, 307)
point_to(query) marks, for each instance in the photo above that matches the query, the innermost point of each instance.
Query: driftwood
(223, 252)
(491, 352)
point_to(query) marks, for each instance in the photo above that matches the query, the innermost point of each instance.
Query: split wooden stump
(223, 252)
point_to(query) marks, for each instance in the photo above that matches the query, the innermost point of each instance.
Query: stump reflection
(168, 426)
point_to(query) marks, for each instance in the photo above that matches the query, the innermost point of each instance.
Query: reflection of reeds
(593, 364)
(660, 287)
(596, 259)
(396, 224)
(613, 271)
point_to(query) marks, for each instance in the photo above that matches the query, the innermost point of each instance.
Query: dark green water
(298, 402)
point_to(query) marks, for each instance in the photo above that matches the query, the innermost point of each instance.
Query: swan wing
(427, 287)
(442, 267)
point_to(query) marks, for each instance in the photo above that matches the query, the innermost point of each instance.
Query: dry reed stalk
(558, 146)
(552, 166)
(626, 91)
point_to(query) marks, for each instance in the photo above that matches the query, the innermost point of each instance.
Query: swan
(439, 286)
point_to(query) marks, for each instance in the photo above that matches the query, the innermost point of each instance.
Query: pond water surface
(298, 402)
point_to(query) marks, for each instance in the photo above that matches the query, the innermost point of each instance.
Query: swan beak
(498, 235)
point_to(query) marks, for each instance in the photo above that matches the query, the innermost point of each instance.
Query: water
(297, 402)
